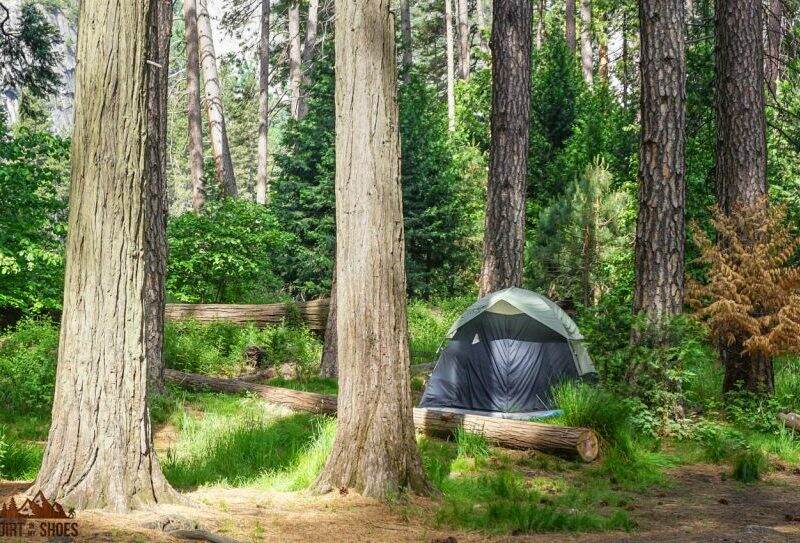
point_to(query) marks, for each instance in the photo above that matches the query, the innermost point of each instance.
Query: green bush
(718, 442)
(18, 460)
(750, 465)
(219, 348)
(428, 323)
(787, 382)
(34, 171)
(227, 253)
(28, 356)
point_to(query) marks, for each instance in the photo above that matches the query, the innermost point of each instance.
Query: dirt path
(701, 505)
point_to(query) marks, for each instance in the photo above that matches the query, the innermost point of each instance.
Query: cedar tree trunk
(375, 450)
(504, 238)
(193, 108)
(99, 450)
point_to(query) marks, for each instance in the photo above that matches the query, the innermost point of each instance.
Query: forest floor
(699, 504)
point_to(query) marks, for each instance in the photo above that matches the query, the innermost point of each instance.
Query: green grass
(749, 465)
(309, 384)
(428, 323)
(787, 382)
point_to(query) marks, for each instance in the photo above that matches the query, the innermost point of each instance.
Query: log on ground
(790, 420)
(314, 313)
(513, 434)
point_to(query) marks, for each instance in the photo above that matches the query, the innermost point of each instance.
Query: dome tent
(504, 354)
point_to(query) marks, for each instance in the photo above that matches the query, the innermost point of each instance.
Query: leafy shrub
(718, 442)
(787, 382)
(227, 253)
(28, 356)
(219, 348)
(750, 465)
(428, 323)
(34, 173)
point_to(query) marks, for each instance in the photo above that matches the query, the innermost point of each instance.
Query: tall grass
(428, 323)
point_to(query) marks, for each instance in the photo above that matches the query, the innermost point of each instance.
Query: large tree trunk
(158, 81)
(328, 368)
(216, 114)
(450, 52)
(660, 230)
(773, 69)
(741, 151)
(99, 451)
(193, 101)
(587, 64)
(295, 52)
(504, 239)
(569, 24)
(463, 39)
(375, 450)
(405, 24)
(262, 177)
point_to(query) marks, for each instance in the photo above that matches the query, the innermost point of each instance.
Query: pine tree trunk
(660, 230)
(216, 114)
(99, 451)
(405, 24)
(504, 238)
(295, 75)
(540, 24)
(328, 367)
(625, 59)
(463, 39)
(158, 81)
(602, 50)
(262, 176)
(569, 24)
(374, 451)
(193, 108)
(587, 64)
(773, 69)
(481, 18)
(741, 151)
(451, 97)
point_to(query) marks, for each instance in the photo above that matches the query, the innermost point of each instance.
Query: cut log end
(588, 446)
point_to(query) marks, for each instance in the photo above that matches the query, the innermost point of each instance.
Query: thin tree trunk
(504, 239)
(625, 58)
(405, 23)
(451, 97)
(602, 49)
(773, 69)
(660, 230)
(309, 46)
(328, 367)
(100, 451)
(193, 101)
(375, 450)
(463, 39)
(741, 152)
(216, 114)
(569, 24)
(262, 178)
(482, 30)
(587, 63)
(295, 74)
(540, 24)
(158, 81)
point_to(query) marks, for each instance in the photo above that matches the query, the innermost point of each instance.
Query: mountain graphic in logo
(38, 507)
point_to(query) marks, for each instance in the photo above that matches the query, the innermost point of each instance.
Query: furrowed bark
(374, 451)
(99, 451)
(193, 104)
(504, 239)
(660, 229)
(216, 113)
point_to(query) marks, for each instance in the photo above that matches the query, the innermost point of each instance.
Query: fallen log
(514, 434)
(314, 313)
(790, 420)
